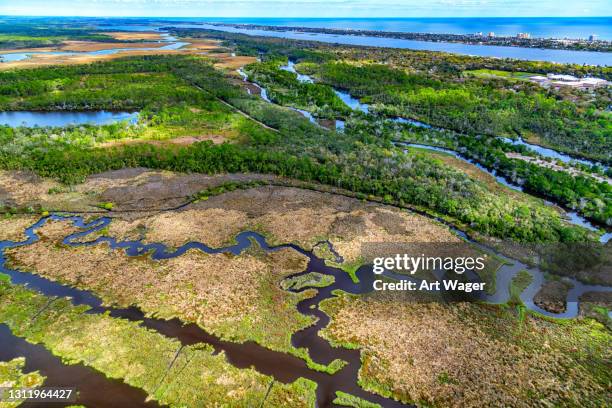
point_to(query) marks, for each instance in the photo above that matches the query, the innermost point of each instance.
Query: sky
(309, 8)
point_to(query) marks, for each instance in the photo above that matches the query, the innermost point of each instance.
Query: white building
(558, 80)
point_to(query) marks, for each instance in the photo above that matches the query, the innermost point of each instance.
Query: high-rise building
(523, 35)
(491, 34)
(593, 37)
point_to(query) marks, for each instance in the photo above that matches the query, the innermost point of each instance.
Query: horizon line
(290, 17)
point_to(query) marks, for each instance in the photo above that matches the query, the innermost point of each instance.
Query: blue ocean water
(547, 27)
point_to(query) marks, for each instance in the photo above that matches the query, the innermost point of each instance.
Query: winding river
(355, 104)
(283, 367)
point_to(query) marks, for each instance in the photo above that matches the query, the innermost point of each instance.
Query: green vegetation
(359, 160)
(348, 400)
(487, 73)
(13, 377)
(585, 194)
(106, 206)
(331, 369)
(141, 357)
(312, 279)
(349, 267)
(432, 87)
(284, 88)
(32, 34)
(476, 106)
(518, 284)
(476, 110)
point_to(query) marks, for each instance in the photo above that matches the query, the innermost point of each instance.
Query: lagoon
(61, 119)
(535, 54)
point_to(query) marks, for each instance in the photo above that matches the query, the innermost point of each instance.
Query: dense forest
(585, 194)
(433, 88)
(427, 61)
(475, 106)
(283, 88)
(363, 162)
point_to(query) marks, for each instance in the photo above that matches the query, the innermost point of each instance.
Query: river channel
(536, 54)
(173, 44)
(283, 367)
(356, 105)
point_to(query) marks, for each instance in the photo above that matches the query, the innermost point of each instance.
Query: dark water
(94, 389)
(61, 119)
(281, 366)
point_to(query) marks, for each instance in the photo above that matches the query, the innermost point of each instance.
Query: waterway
(536, 54)
(173, 44)
(571, 216)
(94, 389)
(68, 118)
(281, 366)
(538, 27)
(356, 105)
(552, 154)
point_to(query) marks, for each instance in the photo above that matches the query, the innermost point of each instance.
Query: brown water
(95, 390)
(283, 367)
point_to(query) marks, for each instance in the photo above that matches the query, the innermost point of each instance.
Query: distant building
(557, 81)
(478, 34)
(491, 34)
(566, 78)
(523, 35)
(593, 37)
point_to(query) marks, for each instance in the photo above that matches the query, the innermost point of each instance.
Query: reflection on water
(412, 122)
(352, 103)
(61, 119)
(300, 77)
(550, 153)
(571, 216)
(537, 54)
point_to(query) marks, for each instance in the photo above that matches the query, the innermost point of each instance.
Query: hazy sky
(309, 8)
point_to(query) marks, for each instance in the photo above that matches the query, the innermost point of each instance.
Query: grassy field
(12, 376)
(489, 73)
(238, 298)
(470, 354)
(141, 357)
